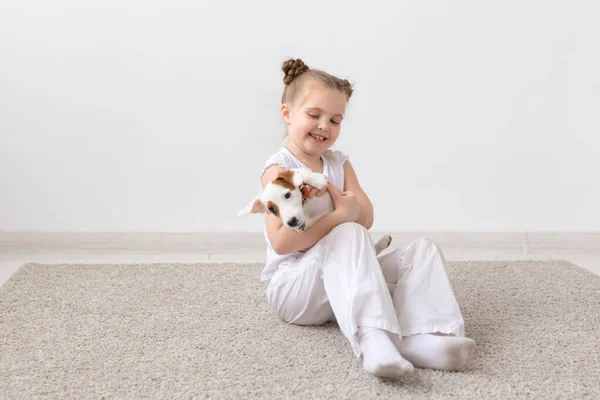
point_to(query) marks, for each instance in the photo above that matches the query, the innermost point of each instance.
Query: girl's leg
(340, 277)
(430, 320)
(296, 292)
(359, 297)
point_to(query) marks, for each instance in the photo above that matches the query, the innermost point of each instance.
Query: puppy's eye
(273, 209)
(287, 195)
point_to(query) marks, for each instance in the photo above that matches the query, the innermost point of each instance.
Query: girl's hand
(309, 192)
(346, 204)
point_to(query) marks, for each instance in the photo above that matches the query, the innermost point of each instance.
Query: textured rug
(206, 331)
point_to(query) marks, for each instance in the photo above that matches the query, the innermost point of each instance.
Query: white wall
(158, 116)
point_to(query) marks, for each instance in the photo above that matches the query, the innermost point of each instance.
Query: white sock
(436, 351)
(380, 356)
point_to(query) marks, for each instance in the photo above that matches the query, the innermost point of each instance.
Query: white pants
(405, 291)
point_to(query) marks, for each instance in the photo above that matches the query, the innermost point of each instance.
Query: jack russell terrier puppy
(283, 198)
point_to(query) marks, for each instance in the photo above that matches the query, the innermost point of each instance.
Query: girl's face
(314, 123)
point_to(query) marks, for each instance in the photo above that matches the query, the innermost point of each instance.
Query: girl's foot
(447, 353)
(383, 244)
(380, 356)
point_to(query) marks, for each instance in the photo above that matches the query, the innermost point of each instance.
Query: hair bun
(347, 87)
(293, 68)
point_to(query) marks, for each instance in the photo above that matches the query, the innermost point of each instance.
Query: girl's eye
(272, 209)
(335, 122)
(287, 195)
(314, 116)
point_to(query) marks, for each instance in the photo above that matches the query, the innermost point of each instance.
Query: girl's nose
(324, 125)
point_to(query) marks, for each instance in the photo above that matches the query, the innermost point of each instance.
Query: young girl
(396, 310)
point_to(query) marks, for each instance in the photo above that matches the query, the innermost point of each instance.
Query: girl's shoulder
(282, 158)
(336, 156)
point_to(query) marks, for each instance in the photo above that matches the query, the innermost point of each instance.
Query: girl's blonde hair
(297, 75)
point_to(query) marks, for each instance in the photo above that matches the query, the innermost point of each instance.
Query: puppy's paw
(318, 181)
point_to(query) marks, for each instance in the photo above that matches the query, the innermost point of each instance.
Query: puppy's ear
(290, 178)
(255, 207)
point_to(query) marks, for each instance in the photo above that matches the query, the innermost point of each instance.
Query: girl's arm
(365, 217)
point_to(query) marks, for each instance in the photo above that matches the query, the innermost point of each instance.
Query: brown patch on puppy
(285, 179)
(271, 204)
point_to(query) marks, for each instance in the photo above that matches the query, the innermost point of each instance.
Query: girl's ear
(256, 206)
(285, 113)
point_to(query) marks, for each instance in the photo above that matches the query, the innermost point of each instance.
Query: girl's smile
(317, 138)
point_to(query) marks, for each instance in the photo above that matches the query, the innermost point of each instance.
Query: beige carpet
(205, 331)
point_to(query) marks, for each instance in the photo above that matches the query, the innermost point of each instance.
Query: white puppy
(283, 198)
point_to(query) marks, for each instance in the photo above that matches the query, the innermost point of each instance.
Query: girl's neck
(314, 162)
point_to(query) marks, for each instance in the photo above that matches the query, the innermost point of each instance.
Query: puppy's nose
(293, 222)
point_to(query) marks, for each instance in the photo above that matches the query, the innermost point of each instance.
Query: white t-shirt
(333, 168)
